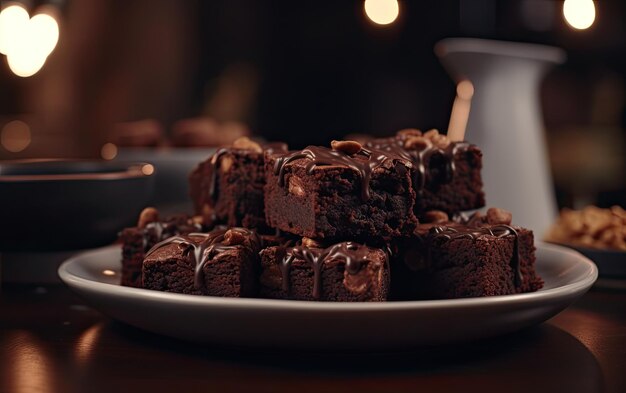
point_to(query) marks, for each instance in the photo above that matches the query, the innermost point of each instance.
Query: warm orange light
(108, 272)
(382, 12)
(147, 169)
(15, 136)
(27, 365)
(86, 343)
(108, 151)
(579, 14)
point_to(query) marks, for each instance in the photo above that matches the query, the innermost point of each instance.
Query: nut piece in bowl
(599, 234)
(591, 227)
(66, 205)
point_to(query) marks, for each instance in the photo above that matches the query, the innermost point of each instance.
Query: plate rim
(572, 288)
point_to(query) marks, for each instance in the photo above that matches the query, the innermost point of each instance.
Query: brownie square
(227, 188)
(136, 241)
(223, 262)
(327, 193)
(346, 272)
(446, 175)
(459, 261)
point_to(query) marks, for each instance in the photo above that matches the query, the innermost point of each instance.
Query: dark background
(309, 71)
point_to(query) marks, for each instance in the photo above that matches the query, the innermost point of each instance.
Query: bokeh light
(13, 20)
(15, 136)
(108, 151)
(147, 169)
(46, 28)
(28, 42)
(579, 14)
(25, 61)
(382, 12)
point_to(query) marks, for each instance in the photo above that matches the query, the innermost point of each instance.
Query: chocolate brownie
(346, 272)
(446, 175)
(149, 231)
(347, 192)
(223, 262)
(456, 260)
(227, 188)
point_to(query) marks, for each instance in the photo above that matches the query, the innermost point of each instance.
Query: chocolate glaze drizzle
(421, 158)
(354, 255)
(212, 244)
(473, 233)
(364, 162)
(161, 230)
(213, 166)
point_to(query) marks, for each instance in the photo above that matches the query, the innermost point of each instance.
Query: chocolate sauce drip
(212, 244)
(421, 158)
(474, 232)
(364, 162)
(352, 254)
(161, 230)
(213, 165)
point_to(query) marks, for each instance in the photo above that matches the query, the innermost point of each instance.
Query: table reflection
(27, 365)
(551, 358)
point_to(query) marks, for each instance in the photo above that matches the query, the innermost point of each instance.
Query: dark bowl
(173, 166)
(66, 205)
(611, 263)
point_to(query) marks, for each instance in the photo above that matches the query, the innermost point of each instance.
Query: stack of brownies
(372, 221)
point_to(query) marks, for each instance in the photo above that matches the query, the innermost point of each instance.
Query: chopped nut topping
(431, 133)
(441, 141)
(295, 186)
(197, 220)
(409, 132)
(246, 143)
(233, 238)
(348, 147)
(356, 283)
(148, 215)
(417, 143)
(436, 217)
(226, 162)
(497, 216)
(310, 243)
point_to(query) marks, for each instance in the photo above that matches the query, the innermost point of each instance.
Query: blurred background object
(140, 133)
(506, 121)
(91, 79)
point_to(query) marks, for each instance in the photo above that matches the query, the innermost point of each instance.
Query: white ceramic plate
(299, 324)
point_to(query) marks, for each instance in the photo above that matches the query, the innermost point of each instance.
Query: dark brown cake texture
(347, 192)
(223, 262)
(150, 229)
(446, 175)
(483, 256)
(346, 272)
(227, 188)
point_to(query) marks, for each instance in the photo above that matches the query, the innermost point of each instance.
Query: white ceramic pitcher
(506, 123)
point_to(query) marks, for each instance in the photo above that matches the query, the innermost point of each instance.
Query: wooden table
(50, 341)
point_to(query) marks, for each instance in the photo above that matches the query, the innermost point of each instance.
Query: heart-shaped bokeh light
(26, 41)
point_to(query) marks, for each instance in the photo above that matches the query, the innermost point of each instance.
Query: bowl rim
(127, 170)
